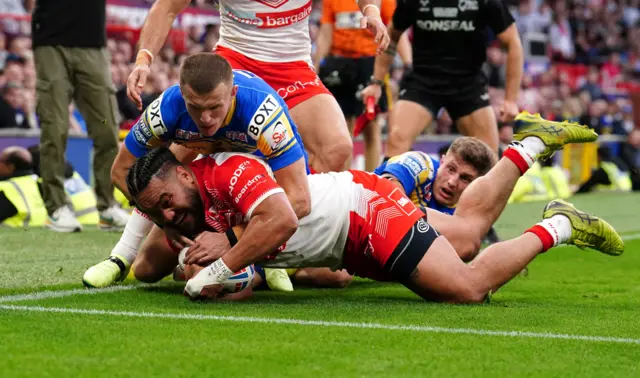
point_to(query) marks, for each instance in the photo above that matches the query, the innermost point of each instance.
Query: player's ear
(234, 90)
(183, 174)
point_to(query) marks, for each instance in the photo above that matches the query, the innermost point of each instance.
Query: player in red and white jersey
(271, 39)
(359, 222)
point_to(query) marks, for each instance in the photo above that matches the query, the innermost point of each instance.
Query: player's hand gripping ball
(239, 281)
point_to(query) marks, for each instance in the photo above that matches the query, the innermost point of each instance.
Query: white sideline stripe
(62, 293)
(320, 323)
(631, 236)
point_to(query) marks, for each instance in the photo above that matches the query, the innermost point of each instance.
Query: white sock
(529, 148)
(134, 232)
(559, 227)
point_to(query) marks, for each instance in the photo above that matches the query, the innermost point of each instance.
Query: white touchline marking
(63, 293)
(631, 236)
(320, 323)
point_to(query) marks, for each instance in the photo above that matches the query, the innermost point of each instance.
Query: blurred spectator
(15, 161)
(593, 83)
(12, 109)
(560, 34)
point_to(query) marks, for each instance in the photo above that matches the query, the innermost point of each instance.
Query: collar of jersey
(232, 110)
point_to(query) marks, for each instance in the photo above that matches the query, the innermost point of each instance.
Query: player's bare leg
(442, 276)
(406, 122)
(322, 277)
(484, 200)
(481, 124)
(156, 259)
(324, 132)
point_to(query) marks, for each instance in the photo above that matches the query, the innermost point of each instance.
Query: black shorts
(459, 96)
(411, 249)
(345, 77)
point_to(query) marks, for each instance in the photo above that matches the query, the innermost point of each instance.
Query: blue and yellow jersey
(258, 122)
(416, 171)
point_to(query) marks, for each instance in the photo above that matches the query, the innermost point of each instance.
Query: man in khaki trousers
(72, 63)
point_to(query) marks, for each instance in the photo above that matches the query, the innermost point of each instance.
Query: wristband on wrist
(374, 81)
(218, 272)
(371, 5)
(144, 56)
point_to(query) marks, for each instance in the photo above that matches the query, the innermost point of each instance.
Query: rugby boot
(587, 230)
(554, 135)
(106, 273)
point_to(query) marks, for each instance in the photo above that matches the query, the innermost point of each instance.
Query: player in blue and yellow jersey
(438, 184)
(214, 109)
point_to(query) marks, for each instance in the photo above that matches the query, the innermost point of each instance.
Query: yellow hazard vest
(83, 200)
(121, 199)
(530, 187)
(556, 182)
(620, 180)
(24, 194)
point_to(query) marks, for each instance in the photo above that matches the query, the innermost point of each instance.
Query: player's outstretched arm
(152, 37)
(382, 65)
(121, 165)
(272, 223)
(293, 179)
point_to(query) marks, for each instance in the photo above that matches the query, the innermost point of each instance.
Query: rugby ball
(239, 281)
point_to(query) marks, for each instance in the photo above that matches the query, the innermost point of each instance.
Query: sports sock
(136, 229)
(552, 231)
(523, 154)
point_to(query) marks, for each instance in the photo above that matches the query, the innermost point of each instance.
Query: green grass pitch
(575, 315)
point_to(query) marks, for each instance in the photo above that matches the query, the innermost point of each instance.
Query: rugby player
(213, 109)
(360, 222)
(271, 39)
(449, 48)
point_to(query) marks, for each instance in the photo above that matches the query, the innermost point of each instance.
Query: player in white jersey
(359, 221)
(271, 39)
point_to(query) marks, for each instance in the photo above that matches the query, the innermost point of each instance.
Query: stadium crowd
(591, 65)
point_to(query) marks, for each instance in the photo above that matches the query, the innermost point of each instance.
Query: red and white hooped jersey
(267, 30)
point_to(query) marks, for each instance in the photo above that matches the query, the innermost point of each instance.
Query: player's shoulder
(238, 162)
(256, 102)
(162, 113)
(416, 161)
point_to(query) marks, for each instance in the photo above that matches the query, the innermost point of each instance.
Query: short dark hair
(157, 163)
(475, 153)
(203, 72)
(18, 161)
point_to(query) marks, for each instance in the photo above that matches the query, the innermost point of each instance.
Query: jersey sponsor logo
(414, 166)
(445, 12)
(153, 118)
(298, 85)
(267, 109)
(273, 19)
(484, 97)
(273, 3)
(424, 6)
(236, 135)
(246, 187)
(139, 133)
(279, 134)
(188, 135)
(465, 5)
(422, 226)
(446, 25)
(402, 202)
(236, 175)
(348, 20)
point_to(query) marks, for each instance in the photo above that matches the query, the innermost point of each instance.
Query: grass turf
(568, 291)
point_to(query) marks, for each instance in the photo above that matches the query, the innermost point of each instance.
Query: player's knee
(335, 155)
(399, 136)
(145, 272)
(470, 248)
(470, 294)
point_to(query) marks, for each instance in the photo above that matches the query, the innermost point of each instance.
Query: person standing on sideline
(72, 63)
